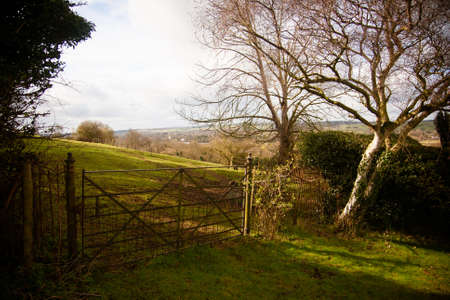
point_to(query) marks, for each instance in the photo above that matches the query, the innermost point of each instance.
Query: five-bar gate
(151, 212)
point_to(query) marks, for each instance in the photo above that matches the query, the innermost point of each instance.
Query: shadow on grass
(251, 270)
(430, 245)
(355, 258)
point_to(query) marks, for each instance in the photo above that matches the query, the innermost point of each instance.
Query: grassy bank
(303, 263)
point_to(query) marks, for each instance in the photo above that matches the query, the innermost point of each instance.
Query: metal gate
(152, 212)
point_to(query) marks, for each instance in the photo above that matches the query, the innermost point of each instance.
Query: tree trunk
(364, 181)
(284, 149)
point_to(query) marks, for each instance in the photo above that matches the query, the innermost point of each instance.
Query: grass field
(303, 262)
(92, 156)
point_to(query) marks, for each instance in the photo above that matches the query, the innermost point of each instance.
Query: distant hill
(425, 131)
(151, 131)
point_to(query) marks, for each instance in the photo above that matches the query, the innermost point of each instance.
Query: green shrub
(412, 189)
(412, 194)
(335, 153)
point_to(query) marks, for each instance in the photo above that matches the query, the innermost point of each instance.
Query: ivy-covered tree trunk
(364, 182)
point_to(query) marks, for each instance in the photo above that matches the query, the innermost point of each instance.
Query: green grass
(306, 262)
(302, 263)
(92, 156)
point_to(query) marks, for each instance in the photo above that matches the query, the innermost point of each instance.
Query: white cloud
(137, 62)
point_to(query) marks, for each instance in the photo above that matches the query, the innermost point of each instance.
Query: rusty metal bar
(155, 190)
(210, 224)
(162, 169)
(166, 207)
(209, 211)
(212, 201)
(124, 193)
(82, 211)
(248, 194)
(132, 214)
(180, 190)
(170, 225)
(167, 222)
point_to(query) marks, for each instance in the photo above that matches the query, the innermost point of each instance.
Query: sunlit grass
(93, 156)
(303, 263)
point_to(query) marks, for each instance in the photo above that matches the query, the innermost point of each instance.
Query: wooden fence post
(50, 198)
(71, 207)
(248, 193)
(36, 209)
(27, 216)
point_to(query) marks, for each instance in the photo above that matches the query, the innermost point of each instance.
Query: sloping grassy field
(304, 262)
(93, 156)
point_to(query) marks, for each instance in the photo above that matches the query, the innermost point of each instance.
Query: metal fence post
(248, 194)
(71, 206)
(83, 175)
(27, 216)
(180, 190)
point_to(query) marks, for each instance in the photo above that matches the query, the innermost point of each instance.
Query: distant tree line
(219, 149)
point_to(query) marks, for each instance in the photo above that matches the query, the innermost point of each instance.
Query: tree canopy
(96, 132)
(255, 96)
(384, 63)
(34, 34)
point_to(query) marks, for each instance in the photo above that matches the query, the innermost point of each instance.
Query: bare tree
(384, 62)
(146, 144)
(133, 139)
(255, 96)
(231, 150)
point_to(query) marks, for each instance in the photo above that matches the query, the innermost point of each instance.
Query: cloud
(137, 62)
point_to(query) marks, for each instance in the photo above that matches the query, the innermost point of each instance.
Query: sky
(140, 59)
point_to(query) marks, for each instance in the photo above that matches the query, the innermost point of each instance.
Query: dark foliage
(413, 194)
(413, 191)
(442, 125)
(33, 35)
(335, 153)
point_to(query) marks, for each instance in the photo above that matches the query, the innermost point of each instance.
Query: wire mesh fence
(292, 195)
(48, 213)
(314, 200)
